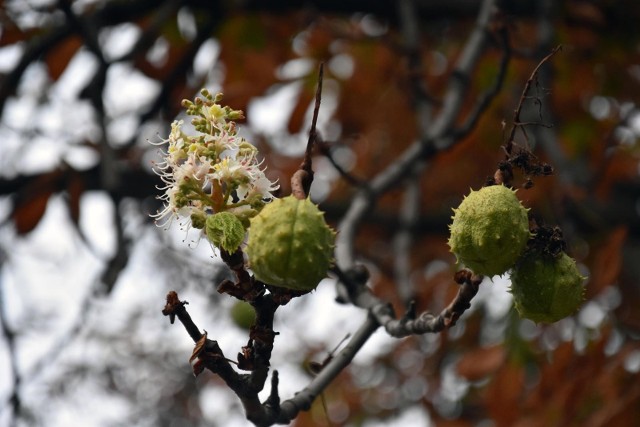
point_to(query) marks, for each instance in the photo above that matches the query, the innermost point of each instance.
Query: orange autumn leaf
(31, 202)
(607, 260)
(504, 393)
(28, 213)
(481, 362)
(58, 59)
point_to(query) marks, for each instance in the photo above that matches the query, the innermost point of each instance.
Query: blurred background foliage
(86, 84)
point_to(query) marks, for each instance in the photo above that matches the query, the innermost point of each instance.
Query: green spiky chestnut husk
(290, 244)
(490, 230)
(546, 288)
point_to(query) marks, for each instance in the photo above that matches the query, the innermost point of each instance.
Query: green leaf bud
(225, 231)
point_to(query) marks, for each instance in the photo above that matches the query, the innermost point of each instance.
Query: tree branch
(302, 401)
(410, 208)
(485, 99)
(210, 356)
(439, 137)
(428, 323)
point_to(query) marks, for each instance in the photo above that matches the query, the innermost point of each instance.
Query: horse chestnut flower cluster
(214, 180)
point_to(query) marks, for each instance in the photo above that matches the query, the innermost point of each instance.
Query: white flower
(263, 187)
(211, 172)
(215, 114)
(225, 142)
(231, 172)
(258, 187)
(176, 150)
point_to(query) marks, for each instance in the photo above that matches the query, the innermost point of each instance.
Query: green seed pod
(290, 244)
(546, 288)
(243, 314)
(490, 230)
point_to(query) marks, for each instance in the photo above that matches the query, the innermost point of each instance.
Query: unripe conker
(290, 244)
(490, 230)
(546, 288)
(243, 314)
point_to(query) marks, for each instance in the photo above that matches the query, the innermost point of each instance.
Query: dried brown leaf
(199, 348)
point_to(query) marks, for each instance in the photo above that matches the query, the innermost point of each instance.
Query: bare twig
(325, 149)
(517, 156)
(569, 172)
(516, 114)
(210, 356)
(359, 295)
(175, 308)
(302, 401)
(428, 323)
(303, 177)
